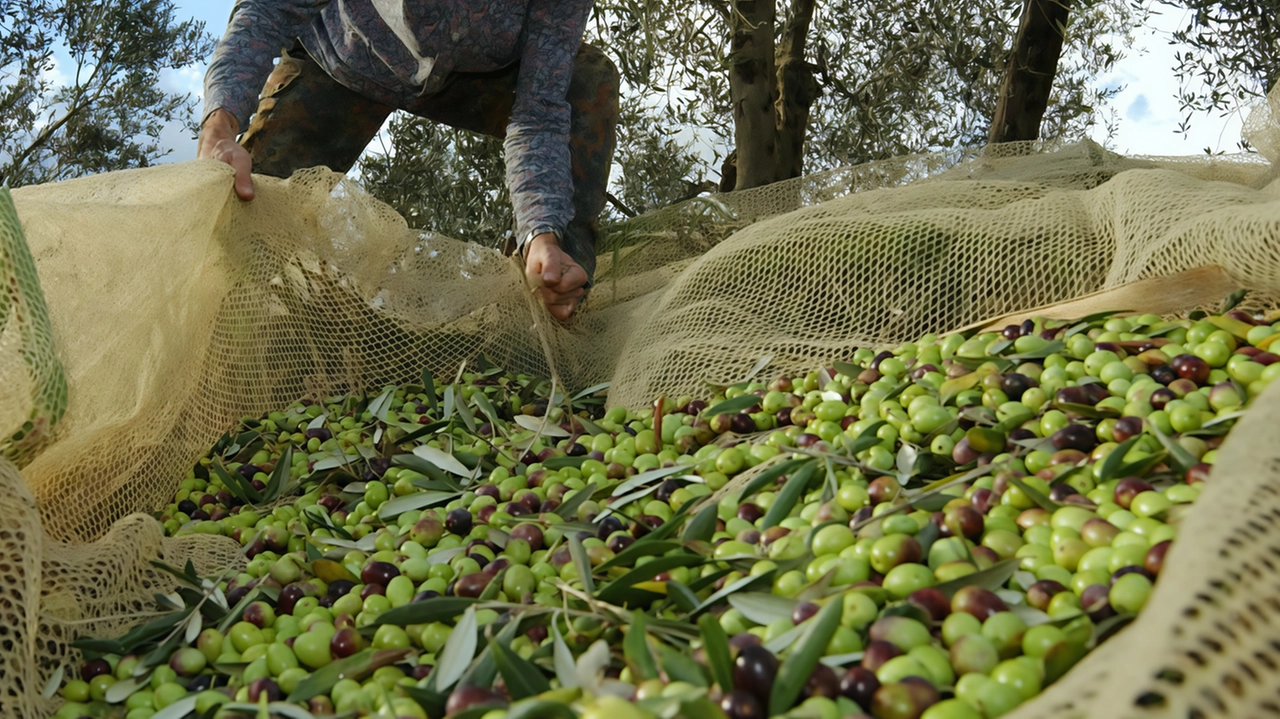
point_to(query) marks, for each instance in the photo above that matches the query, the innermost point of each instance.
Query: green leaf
(636, 649)
(646, 477)
(796, 668)
(1115, 459)
(382, 403)
(464, 411)
(522, 677)
(716, 645)
(590, 391)
(279, 475)
(421, 431)
(356, 667)
(1182, 459)
(735, 405)
(539, 709)
(991, 578)
(953, 387)
(627, 557)
(458, 651)
(569, 508)
(682, 596)
(703, 525)
(1140, 467)
(233, 482)
(432, 701)
(847, 369)
(393, 508)
(579, 555)
(442, 459)
(770, 475)
(1053, 347)
(486, 408)
(791, 493)
(1035, 495)
(566, 671)
(611, 592)
(565, 462)
(437, 609)
(763, 608)
(681, 667)
(429, 389)
(736, 586)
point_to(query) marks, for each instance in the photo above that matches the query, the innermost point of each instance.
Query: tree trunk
(753, 90)
(797, 90)
(1028, 79)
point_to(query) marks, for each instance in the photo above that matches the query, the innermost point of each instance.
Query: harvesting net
(174, 310)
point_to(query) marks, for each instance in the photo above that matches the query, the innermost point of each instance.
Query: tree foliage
(110, 112)
(1230, 54)
(895, 77)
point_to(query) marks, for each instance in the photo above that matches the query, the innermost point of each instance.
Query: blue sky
(1147, 107)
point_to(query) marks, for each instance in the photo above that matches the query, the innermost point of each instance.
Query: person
(514, 69)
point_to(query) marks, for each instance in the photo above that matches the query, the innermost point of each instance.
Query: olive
(345, 642)
(859, 684)
(1188, 366)
(264, 688)
(933, 602)
(459, 522)
(823, 682)
(289, 596)
(981, 603)
(667, 488)
(803, 611)
(379, 573)
(1014, 385)
(754, 671)
(1094, 600)
(1075, 436)
(1154, 560)
(739, 704)
(466, 697)
(963, 521)
(611, 524)
(878, 652)
(1128, 488)
(1127, 427)
(749, 512)
(530, 533)
(1039, 594)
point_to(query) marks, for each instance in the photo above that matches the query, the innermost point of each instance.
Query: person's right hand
(218, 142)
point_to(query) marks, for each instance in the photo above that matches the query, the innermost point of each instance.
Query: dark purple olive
(739, 704)
(1061, 491)
(459, 522)
(530, 533)
(93, 668)
(1164, 374)
(264, 687)
(859, 685)
(1039, 594)
(379, 573)
(1128, 488)
(743, 424)
(1015, 384)
(289, 596)
(1132, 569)
(1154, 561)
(467, 697)
(1189, 366)
(878, 652)
(1075, 436)
(933, 602)
(1011, 332)
(1094, 600)
(472, 585)
(754, 671)
(823, 682)
(803, 611)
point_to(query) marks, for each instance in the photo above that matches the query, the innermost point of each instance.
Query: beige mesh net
(176, 309)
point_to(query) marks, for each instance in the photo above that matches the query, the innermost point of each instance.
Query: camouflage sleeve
(537, 143)
(258, 31)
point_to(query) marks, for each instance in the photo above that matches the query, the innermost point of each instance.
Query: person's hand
(558, 281)
(218, 142)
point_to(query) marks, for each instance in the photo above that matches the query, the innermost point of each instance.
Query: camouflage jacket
(395, 50)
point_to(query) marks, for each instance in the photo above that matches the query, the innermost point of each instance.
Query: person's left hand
(558, 281)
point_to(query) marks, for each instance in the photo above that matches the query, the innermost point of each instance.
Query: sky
(1147, 106)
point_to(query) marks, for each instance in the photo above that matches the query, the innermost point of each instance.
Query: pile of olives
(938, 530)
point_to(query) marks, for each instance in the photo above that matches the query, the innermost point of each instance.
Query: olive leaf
(1035, 495)
(791, 493)
(1182, 459)
(636, 650)
(457, 653)
(736, 586)
(419, 500)
(579, 555)
(847, 369)
(539, 709)
(612, 592)
(1114, 460)
(570, 506)
(732, 406)
(646, 477)
(381, 405)
(681, 667)
(794, 672)
(436, 609)
(639, 549)
(522, 677)
(770, 475)
(566, 669)
(441, 459)
(486, 408)
(703, 525)
(716, 645)
(991, 578)
(763, 608)
(590, 391)
(356, 667)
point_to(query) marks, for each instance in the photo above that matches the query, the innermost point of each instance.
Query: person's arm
(257, 32)
(537, 142)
